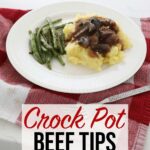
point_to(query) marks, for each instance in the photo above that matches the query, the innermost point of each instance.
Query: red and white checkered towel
(15, 90)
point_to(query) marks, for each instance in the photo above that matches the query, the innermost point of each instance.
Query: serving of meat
(95, 41)
(97, 33)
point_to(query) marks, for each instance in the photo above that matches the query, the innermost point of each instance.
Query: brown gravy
(97, 33)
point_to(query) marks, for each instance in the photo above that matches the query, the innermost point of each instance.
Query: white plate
(72, 78)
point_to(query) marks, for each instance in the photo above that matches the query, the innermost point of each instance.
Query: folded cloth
(15, 90)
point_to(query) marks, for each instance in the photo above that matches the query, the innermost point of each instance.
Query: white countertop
(10, 134)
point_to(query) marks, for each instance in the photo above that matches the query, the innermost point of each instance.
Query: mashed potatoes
(77, 54)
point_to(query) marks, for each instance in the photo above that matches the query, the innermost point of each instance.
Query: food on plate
(47, 42)
(93, 41)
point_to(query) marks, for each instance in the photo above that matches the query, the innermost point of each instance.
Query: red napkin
(13, 84)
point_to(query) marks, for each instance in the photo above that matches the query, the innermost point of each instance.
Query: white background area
(10, 134)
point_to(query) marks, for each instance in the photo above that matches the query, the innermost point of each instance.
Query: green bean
(54, 52)
(56, 21)
(46, 27)
(45, 44)
(38, 42)
(38, 31)
(48, 63)
(63, 42)
(53, 32)
(50, 48)
(49, 58)
(31, 52)
(33, 47)
(45, 30)
(47, 37)
(44, 48)
(43, 56)
(59, 58)
(61, 50)
(61, 26)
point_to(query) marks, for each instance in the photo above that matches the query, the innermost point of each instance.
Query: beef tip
(81, 32)
(112, 39)
(84, 41)
(103, 48)
(92, 28)
(105, 33)
(95, 47)
(105, 22)
(96, 22)
(110, 23)
(94, 39)
(93, 54)
(114, 27)
(80, 24)
(96, 33)
(102, 28)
